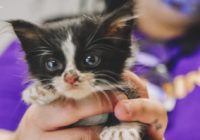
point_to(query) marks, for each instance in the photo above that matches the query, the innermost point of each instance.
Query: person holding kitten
(93, 63)
(171, 36)
(43, 123)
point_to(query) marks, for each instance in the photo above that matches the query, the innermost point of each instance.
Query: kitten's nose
(71, 78)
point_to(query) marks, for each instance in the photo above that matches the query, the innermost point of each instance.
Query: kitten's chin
(77, 93)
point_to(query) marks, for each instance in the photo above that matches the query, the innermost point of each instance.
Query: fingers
(53, 116)
(154, 135)
(143, 110)
(137, 83)
(86, 133)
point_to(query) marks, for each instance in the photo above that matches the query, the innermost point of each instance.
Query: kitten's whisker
(93, 35)
(44, 53)
(99, 89)
(107, 71)
(114, 86)
(44, 47)
(41, 51)
(104, 46)
(107, 83)
(26, 81)
(107, 76)
(44, 40)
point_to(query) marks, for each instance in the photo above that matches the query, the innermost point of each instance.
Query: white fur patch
(35, 94)
(124, 131)
(69, 49)
(130, 61)
(82, 89)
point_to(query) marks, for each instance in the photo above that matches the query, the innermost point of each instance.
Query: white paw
(37, 95)
(124, 131)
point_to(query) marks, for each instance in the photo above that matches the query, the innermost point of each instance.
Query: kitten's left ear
(121, 21)
(24, 29)
(27, 33)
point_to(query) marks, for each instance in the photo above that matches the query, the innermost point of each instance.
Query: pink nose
(71, 79)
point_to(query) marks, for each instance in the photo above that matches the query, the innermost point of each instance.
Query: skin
(43, 122)
(156, 26)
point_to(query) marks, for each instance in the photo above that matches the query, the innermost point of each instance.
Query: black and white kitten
(74, 58)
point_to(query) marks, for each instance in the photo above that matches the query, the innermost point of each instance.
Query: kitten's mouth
(73, 87)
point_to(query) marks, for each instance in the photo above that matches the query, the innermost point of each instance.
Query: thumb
(53, 116)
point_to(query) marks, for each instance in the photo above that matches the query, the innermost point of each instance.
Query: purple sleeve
(13, 70)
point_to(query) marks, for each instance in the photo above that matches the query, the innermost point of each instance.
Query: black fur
(88, 36)
(106, 36)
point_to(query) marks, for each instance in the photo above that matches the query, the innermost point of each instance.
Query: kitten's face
(80, 56)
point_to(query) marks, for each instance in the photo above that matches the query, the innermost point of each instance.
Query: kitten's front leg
(36, 94)
(124, 131)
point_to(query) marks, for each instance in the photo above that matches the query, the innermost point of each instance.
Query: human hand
(142, 109)
(45, 122)
(48, 122)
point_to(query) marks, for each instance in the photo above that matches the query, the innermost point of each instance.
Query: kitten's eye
(92, 60)
(53, 64)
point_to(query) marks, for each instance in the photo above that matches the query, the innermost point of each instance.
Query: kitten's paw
(124, 131)
(38, 95)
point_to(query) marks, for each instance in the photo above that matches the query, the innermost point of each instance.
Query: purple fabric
(184, 119)
(188, 7)
(12, 71)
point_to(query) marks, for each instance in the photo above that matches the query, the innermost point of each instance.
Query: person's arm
(142, 109)
(44, 122)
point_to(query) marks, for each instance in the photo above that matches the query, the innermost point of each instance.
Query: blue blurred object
(188, 7)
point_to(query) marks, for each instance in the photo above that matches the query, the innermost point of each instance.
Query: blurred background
(38, 11)
(168, 34)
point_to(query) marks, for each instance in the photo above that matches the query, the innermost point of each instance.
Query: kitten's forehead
(76, 30)
(69, 50)
(73, 24)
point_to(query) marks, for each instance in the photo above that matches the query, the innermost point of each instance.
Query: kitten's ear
(27, 33)
(121, 21)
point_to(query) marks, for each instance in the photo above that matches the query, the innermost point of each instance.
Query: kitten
(74, 58)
